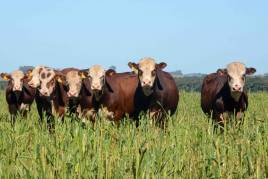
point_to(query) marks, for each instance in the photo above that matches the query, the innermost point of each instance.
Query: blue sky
(193, 36)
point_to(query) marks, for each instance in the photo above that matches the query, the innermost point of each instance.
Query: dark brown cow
(156, 90)
(19, 95)
(111, 93)
(224, 92)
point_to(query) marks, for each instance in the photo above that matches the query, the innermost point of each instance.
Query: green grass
(188, 149)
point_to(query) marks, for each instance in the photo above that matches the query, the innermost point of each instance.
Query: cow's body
(156, 90)
(161, 102)
(19, 99)
(51, 94)
(117, 100)
(216, 98)
(223, 92)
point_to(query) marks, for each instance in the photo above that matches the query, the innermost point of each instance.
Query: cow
(111, 93)
(19, 95)
(72, 84)
(156, 90)
(224, 92)
(51, 94)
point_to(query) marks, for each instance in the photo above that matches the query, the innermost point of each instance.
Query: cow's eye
(140, 72)
(229, 77)
(153, 73)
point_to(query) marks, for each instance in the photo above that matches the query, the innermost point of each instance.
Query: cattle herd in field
(146, 89)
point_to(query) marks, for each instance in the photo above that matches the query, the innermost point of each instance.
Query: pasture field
(187, 149)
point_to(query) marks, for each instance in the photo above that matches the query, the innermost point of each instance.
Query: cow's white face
(147, 73)
(97, 77)
(236, 77)
(34, 76)
(74, 83)
(16, 79)
(146, 70)
(236, 73)
(47, 81)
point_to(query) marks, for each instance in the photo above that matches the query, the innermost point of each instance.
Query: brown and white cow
(51, 94)
(156, 92)
(72, 82)
(19, 95)
(224, 92)
(111, 93)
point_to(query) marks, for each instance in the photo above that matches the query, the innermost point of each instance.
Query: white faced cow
(51, 93)
(225, 91)
(157, 91)
(19, 95)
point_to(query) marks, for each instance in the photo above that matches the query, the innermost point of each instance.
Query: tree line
(194, 83)
(189, 82)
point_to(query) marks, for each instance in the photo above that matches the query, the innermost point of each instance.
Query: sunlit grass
(187, 149)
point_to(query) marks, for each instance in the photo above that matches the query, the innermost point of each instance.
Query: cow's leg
(13, 110)
(239, 118)
(60, 111)
(218, 113)
(39, 107)
(49, 115)
(88, 114)
(157, 117)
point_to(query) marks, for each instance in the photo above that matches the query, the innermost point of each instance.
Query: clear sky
(193, 36)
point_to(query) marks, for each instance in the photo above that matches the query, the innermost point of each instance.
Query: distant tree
(177, 73)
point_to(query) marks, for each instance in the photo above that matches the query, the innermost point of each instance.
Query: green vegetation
(187, 149)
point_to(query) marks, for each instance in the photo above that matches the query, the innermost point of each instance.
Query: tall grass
(187, 149)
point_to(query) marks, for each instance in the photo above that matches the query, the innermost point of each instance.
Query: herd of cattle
(146, 89)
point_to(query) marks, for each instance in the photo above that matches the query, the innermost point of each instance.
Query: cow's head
(44, 79)
(33, 76)
(147, 72)
(98, 78)
(236, 73)
(74, 82)
(16, 79)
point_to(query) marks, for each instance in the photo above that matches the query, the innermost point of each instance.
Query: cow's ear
(161, 65)
(83, 74)
(250, 71)
(134, 67)
(5, 76)
(222, 72)
(110, 72)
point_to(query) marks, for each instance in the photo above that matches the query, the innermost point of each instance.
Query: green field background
(187, 149)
